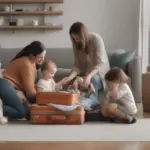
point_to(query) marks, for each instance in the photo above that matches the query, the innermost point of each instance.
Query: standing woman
(20, 75)
(91, 61)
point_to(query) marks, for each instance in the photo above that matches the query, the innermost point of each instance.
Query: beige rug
(98, 131)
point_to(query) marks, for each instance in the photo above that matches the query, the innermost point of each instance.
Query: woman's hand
(87, 81)
(66, 80)
(91, 88)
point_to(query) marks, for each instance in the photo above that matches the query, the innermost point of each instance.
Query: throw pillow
(115, 52)
(121, 60)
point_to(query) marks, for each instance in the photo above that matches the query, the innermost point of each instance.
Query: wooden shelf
(32, 27)
(30, 1)
(31, 13)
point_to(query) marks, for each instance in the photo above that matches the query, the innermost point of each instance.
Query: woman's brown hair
(116, 74)
(78, 28)
(34, 48)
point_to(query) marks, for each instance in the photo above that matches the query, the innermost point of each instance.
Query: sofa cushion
(61, 73)
(1, 72)
(115, 52)
(121, 60)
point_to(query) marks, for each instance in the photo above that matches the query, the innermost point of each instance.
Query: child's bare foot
(133, 120)
(3, 120)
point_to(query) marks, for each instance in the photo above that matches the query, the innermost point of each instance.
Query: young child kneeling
(120, 102)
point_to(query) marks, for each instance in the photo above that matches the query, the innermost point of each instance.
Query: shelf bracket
(44, 30)
(11, 5)
(44, 19)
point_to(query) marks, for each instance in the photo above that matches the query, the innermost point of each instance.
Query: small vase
(35, 23)
(7, 8)
(1, 21)
(20, 22)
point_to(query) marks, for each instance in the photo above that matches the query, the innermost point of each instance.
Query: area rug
(92, 131)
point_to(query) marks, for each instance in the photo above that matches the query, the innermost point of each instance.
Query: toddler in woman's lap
(47, 83)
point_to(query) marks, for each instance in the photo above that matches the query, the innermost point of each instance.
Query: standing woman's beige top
(96, 58)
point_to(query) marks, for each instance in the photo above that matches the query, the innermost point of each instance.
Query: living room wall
(115, 20)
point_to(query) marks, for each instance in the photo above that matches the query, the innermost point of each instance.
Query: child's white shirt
(46, 85)
(124, 94)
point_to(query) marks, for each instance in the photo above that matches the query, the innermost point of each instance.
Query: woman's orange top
(21, 73)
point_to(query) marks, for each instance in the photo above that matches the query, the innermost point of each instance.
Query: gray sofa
(64, 59)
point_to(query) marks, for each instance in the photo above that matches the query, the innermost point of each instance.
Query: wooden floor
(147, 115)
(75, 146)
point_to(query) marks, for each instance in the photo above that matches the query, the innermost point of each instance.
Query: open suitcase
(41, 114)
(43, 98)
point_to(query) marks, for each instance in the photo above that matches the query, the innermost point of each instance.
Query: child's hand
(109, 97)
(113, 94)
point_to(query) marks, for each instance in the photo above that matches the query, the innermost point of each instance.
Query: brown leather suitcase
(43, 98)
(49, 115)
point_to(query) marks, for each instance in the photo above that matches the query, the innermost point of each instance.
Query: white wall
(115, 20)
(144, 33)
(149, 26)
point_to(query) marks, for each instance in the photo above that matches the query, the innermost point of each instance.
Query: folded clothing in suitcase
(43, 98)
(41, 114)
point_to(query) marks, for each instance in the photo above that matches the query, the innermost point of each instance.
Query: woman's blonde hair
(78, 28)
(117, 75)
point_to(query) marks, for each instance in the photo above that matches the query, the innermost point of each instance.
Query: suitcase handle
(57, 117)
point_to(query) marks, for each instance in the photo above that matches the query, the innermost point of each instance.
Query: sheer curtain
(143, 47)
